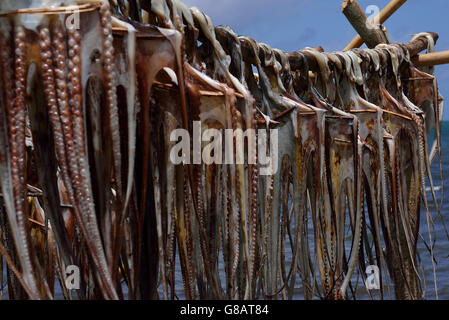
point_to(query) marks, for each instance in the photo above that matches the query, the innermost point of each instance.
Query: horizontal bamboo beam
(420, 44)
(370, 33)
(414, 47)
(431, 59)
(296, 59)
(207, 93)
(383, 16)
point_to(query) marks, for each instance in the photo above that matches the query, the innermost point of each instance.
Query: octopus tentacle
(51, 97)
(84, 189)
(16, 123)
(111, 93)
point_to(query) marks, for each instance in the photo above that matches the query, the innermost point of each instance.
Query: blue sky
(294, 24)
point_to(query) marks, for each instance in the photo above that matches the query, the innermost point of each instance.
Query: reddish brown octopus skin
(16, 116)
(336, 147)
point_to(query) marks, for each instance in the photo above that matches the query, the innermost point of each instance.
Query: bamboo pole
(414, 47)
(370, 33)
(383, 16)
(431, 59)
(296, 59)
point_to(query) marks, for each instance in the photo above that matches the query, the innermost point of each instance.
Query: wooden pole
(383, 16)
(431, 59)
(296, 60)
(370, 33)
(414, 47)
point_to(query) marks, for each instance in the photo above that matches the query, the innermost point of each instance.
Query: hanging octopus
(146, 146)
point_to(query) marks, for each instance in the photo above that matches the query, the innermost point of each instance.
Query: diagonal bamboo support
(370, 33)
(383, 16)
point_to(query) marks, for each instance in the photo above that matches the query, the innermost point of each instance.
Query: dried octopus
(349, 149)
